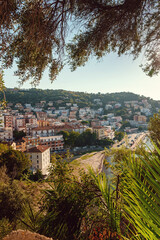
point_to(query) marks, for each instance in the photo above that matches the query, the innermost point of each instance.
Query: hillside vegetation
(83, 99)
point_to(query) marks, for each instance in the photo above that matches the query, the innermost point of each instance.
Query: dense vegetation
(34, 95)
(87, 138)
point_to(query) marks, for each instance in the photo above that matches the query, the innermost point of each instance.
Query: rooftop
(38, 149)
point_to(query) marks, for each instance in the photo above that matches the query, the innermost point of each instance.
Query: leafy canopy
(34, 33)
(16, 163)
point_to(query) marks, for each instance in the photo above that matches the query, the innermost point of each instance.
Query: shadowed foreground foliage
(93, 206)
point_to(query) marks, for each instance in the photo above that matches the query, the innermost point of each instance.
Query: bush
(16, 163)
(11, 200)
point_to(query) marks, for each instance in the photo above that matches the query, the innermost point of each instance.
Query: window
(37, 166)
(37, 161)
(37, 156)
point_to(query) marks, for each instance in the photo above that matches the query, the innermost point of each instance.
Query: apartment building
(40, 158)
(56, 143)
(43, 131)
(1, 121)
(8, 121)
(101, 132)
(140, 118)
(6, 134)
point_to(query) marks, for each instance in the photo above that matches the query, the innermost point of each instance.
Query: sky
(110, 74)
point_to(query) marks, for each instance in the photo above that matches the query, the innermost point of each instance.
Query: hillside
(81, 98)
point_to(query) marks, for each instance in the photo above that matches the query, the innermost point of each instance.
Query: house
(50, 103)
(117, 105)
(108, 106)
(40, 158)
(19, 105)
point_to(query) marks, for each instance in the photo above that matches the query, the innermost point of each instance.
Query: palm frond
(141, 193)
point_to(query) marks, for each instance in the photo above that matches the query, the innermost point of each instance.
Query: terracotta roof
(66, 126)
(43, 128)
(98, 127)
(38, 149)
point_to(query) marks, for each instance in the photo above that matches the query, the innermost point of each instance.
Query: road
(132, 140)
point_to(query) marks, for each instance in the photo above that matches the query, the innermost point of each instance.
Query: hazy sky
(110, 74)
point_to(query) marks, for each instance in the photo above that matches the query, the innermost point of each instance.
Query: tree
(16, 163)
(18, 134)
(154, 128)
(65, 136)
(34, 33)
(72, 138)
(119, 135)
(3, 148)
(87, 138)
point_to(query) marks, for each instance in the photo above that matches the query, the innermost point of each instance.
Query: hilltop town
(37, 126)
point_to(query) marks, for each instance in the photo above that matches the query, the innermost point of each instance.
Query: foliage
(110, 200)
(122, 34)
(154, 129)
(124, 125)
(5, 227)
(83, 99)
(66, 203)
(3, 148)
(18, 135)
(85, 122)
(105, 142)
(11, 200)
(37, 176)
(87, 138)
(31, 218)
(16, 163)
(132, 27)
(2, 90)
(141, 193)
(119, 135)
(73, 136)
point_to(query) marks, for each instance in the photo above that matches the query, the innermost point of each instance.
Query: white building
(43, 131)
(6, 134)
(108, 106)
(40, 158)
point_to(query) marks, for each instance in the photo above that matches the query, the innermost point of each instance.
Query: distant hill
(83, 99)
